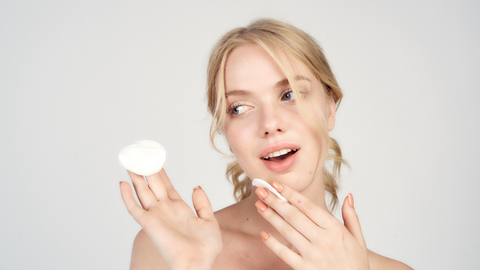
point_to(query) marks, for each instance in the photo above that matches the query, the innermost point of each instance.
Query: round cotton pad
(260, 183)
(143, 157)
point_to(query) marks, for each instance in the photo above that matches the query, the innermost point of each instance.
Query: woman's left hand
(322, 241)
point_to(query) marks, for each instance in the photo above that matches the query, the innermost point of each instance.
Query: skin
(301, 234)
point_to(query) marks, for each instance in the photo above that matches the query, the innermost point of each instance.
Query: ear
(331, 113)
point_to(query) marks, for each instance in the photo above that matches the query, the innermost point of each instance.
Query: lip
(284, 164)
(277, 147)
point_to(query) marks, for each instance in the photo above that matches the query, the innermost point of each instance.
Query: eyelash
(287, 92)
(233, 107)
(238, 104)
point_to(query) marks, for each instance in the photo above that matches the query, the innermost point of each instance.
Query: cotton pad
(143, 157)
(260, 183)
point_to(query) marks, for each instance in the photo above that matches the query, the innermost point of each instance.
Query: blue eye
(288, 96)
(238, 109)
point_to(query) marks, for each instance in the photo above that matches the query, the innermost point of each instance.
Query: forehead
(250, 66)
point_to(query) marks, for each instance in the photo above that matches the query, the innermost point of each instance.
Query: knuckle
(355, 219)
(268, 214)
(271, 199)
(292, 215)
(287, 230)
(308, 206)
(283, 252)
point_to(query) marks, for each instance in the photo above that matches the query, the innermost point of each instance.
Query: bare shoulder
(145, 255)
(381, 262)
(225, 215)
(228, 218)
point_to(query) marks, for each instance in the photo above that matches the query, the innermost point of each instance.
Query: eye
(239, 109)
(288, 95)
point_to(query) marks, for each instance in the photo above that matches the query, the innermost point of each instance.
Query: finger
(144, 194)
(291, 214)
(287, 255)
(313, 211)
(172, 193)
(352, 223)
(157, 186)
(202, 204)
(288, 231)
(132, 206)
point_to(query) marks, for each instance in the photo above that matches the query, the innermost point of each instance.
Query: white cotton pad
(260, 183)
(143, 157)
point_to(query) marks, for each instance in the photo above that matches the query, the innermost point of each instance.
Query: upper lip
(277, 147)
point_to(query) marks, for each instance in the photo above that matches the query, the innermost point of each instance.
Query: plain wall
(79, 80)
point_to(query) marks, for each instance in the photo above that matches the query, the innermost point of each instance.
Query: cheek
(238, 137)
(311, 137)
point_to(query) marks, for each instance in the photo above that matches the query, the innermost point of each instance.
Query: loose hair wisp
(285, 43)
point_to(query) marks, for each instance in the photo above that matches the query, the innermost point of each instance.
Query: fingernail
(264, 235)
(261, 206)
(277, 186)
(197, 187)
(262, 193)
(350, 199)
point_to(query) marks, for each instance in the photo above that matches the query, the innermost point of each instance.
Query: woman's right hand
(184, 240)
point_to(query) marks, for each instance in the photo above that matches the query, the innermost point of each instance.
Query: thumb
(351, 221)
(202, 204)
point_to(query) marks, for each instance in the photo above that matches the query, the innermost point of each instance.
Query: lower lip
(281, 166)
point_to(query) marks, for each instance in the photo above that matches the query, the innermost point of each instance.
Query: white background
(81, 79)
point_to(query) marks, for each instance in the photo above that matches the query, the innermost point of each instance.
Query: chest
(242, 252)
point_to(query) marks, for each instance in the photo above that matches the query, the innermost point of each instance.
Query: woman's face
(266, 132)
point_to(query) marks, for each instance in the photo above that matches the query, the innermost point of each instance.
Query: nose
(271, 122)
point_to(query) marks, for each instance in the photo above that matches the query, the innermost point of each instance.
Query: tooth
(270, 155)
(276, 153)
(289, 150)
(283, 152)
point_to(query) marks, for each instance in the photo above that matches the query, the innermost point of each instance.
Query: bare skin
(243, 248)
(301, 234)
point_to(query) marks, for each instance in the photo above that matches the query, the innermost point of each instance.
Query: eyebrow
(283, 82)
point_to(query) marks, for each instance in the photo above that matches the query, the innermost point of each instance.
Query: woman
(273, 96)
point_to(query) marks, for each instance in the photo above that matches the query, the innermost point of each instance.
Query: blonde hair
(283, 42)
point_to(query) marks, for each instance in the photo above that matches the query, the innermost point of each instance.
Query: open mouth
(281, 155)
(280, 161)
